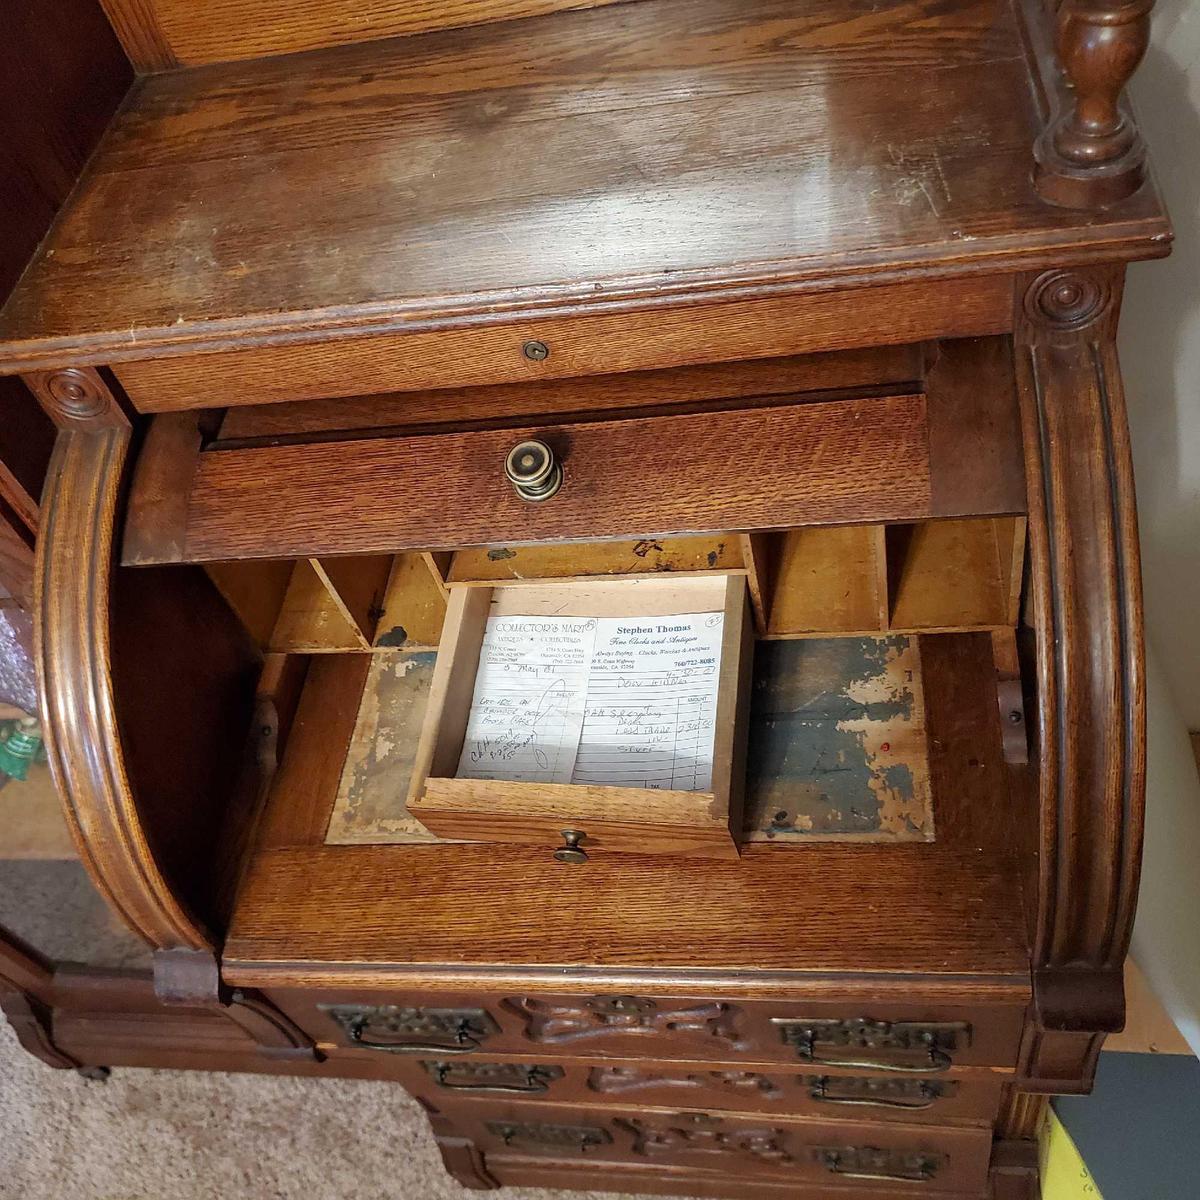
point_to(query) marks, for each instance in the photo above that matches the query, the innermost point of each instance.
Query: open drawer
(661, 723)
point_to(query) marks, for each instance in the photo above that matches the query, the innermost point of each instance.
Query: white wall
(1160, 356)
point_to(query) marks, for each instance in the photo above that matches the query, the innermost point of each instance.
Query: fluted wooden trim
(73, 573)
(1087, 606)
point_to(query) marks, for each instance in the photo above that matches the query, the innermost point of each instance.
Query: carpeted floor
(149, 1135)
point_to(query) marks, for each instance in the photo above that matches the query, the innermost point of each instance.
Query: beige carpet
(181, 1135)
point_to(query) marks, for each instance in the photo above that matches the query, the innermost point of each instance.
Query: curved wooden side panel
(1086, 605)
(72, 589)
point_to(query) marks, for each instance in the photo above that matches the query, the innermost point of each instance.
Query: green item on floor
(20, 745)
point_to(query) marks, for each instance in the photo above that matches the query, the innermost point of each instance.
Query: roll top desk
(813, 305)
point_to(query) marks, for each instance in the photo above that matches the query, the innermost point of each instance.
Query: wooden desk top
(669, 149)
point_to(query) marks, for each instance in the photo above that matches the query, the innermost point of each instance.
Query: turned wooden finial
(1091, 154)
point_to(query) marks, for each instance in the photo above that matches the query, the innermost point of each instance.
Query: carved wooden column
(1091, 153)
(1086, 603)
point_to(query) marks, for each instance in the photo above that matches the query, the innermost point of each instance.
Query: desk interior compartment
(640, 819)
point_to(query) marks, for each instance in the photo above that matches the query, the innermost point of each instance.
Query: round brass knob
(533, 470)
(572, 852)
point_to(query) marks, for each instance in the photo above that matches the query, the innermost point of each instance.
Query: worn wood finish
(874, 369)
(1086, 604)
(414, 606)
(859, 459)
(486, 566)
(916, 908)
(444, 196)
(165, 33)
(298, 809)
(944, 907)
(162, 475)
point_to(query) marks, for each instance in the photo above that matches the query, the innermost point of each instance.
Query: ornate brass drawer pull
(891, 1166)
(492, 1078)
(540, 1135)
(533, 470)
(934, 1040)
(460, 1030)
(912, 1095)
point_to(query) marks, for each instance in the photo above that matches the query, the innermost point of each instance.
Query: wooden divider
(816, 581)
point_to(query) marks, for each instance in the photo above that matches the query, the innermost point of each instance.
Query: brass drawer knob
(533, 470)
(572, 852)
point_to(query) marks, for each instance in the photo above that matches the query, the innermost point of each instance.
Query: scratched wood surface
(371, 804)
(670, 147)
(837, 746)
(837, 742)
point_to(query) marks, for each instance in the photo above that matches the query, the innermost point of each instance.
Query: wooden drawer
(911, 1159)
(963, 1094)
(651, 1179)
(662, 816)
(912, 1040)
(765, 467)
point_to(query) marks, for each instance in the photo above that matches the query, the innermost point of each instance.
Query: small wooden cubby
(337, 605)
(879, 584)
(924, 577)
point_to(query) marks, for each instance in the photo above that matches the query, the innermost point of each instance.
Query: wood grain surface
(946, 907)
(664, 150)
(164, 33)
(896, 368)
(74, 655)
(1086, 602)
(491, 351)
(858, 460)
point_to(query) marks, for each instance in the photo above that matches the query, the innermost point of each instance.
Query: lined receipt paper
(612, 701)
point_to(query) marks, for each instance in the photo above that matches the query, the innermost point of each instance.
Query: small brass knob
(533, 470)
(572, 852)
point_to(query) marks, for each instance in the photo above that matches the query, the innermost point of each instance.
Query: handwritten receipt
(613, 701)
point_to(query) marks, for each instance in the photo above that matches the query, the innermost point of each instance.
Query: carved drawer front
(902, 1040)
(926, 1158)
(970, 1095)
(908, 1042)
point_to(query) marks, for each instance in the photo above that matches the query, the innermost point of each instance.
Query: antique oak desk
(815, 297)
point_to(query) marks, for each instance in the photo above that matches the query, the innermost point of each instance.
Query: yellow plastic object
(1064, 1174)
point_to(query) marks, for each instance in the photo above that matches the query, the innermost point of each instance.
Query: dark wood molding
(76, 398)
(1086, 606)
(461, 1157)
(26, 997)
(32, 1022)
(74, 659)
(192, 979)
(1014, 1172)
(1091, 155)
